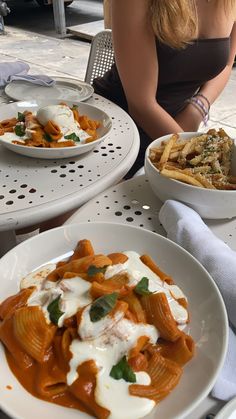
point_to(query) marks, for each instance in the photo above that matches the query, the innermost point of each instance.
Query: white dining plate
(11, 110)
(208, 325)
(228, 411)
(64, 89)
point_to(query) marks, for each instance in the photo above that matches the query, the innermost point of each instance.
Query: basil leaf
(54, 311)
(102, 306)
(20, 130)
(74, 107)
(123, 370)
(142, 287)
(48, 138)
(93, 270)
(72, 136)
(21, 117)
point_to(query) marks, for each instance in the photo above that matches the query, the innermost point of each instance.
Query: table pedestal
(7, 241)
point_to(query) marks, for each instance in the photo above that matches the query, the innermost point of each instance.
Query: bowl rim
(191, 187)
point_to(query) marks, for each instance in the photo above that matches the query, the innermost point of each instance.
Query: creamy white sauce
(36, 278)
(73, 292)
(107, 350)
(136, 270)
(90, 330)
(64, 118)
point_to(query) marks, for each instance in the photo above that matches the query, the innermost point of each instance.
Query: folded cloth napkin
(185, 227)
(17, 70)
(39, 79)
(10, 69)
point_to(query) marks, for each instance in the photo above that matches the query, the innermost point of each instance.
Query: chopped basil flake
(48, 138)
(20, 130)
(102, 306)
(54, 311)
(72, 136)
(123, 370)
(142, 287)
(93, 270)
(21, 117)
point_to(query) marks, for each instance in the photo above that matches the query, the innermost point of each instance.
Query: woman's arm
(137, 63)
(190, 118)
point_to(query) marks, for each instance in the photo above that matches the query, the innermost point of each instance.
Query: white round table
(133, 202)
(35, 190)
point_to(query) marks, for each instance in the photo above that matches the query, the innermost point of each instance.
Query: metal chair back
(101, 55)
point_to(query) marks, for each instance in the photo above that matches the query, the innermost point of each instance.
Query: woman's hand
(189, 118)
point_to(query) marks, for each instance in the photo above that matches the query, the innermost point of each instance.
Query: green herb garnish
(123, 370)
(142, 287)
(102, 306)
(54, 310)
(21, 117)
(93, 270)
(20, 130)
(48, 137)
(73, 137)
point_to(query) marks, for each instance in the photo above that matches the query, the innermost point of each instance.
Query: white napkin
(17, 70)
(185, 227)
(39, 79)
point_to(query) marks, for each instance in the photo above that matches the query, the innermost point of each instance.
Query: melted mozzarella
(136, 270)
(89, 330)
(106, 351)
(73, 292)
(64, 118)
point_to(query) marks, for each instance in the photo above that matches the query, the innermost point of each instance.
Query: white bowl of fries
(197, 169)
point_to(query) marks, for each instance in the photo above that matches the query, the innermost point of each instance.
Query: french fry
(178, 175)
(167, 149)
(202, 161)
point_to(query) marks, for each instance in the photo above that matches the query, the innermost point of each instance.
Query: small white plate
(11, 110)
(228, 411)
(64, 89)
(208, 325)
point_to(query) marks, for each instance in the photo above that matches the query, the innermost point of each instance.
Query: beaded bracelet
(204, 97)
(199, 105)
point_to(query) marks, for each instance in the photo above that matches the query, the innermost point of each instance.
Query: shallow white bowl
(209, 203)
(208, 324)
(11, 110)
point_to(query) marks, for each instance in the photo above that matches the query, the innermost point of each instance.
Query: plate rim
(56, 78)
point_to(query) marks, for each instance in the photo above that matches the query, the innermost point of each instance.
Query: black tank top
(181, 73)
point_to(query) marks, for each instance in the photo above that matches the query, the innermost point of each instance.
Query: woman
(173, 59)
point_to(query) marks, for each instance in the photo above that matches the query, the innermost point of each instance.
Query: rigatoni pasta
(100, 333)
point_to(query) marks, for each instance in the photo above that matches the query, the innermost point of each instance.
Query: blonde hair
(175, 22)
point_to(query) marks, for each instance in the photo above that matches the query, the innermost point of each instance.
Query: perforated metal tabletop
(34, 190)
